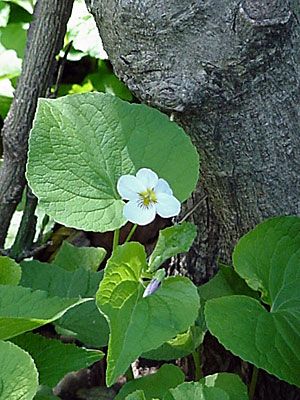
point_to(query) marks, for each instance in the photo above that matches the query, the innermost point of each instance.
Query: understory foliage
(80, 146)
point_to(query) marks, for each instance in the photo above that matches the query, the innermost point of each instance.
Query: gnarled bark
(229, 71)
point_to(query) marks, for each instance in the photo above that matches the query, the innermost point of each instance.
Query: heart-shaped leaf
(268, 258)
(83, 322)
(46, 352)
(140, 324)
(18, 374)
(22, 309)
(74, 163)
(72, 257)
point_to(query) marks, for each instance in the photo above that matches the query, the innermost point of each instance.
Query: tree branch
(45, 39)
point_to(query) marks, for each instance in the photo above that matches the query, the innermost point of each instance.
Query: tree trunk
(229, 71)
(45, 39)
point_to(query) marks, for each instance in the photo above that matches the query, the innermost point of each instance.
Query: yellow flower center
(147, 198)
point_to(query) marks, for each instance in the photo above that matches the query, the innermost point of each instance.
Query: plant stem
(197, 356)
(26, 231)
(129, 374)
(116, 238)
(131, 233)
(253, 382)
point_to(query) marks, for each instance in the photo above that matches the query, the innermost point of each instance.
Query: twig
(62, 63)
(191, 210)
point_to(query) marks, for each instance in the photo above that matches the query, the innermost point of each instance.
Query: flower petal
(147, 177)
(167, 205)
(162, 186)
(137, 214)
(152, 287)
(129, 186)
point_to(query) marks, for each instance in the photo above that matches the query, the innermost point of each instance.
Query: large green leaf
(222, 386)
(75, 163)
(18, 374)
(10, 271)
(22, 309)
(140, 324)
(268, 258)
(72, 257)
(171, 241)
(46, 352)
(225, 283)
(154, 385)
(59, 282)
(84, 322)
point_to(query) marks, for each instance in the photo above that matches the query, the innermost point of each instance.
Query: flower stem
(197, 356)
(131, 233)
(253, 382)
(116, 238)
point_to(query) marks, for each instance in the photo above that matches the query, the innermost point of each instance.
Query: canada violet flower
(155, 283)
(148, 195)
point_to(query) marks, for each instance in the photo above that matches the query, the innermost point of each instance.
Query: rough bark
(229, 71)
(50, 16)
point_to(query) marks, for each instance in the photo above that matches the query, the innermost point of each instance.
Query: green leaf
(171, 241)
(83, 322)
(14, 37)
(59, 282)
(13, 228)
(26, 4)
(86, 324)
(10, 271)
(18, 374)
(154, 385)
(137, 395)
(5, 103)
(104, 80)
(46, 352)
(222, 386)
(82, 30)
(74, 164)
(72, 257)
(4, 14)
(181, 346)
(268, 258)
(22, 309)
(140, 324)
(10, 64)
(225, 283)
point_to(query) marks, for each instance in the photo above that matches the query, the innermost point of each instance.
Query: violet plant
(96, 162)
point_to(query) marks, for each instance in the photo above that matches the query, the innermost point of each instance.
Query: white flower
(148, 195)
